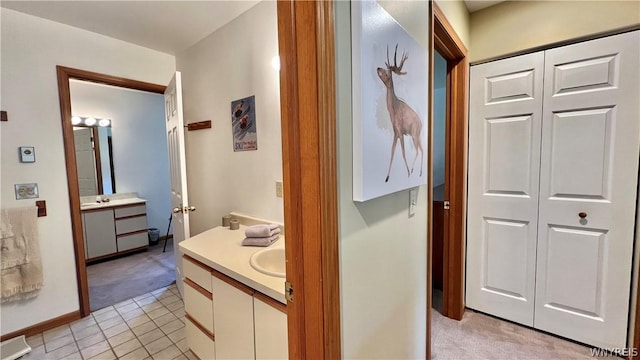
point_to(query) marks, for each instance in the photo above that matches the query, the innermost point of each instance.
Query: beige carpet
(116, 280)
(479, 336)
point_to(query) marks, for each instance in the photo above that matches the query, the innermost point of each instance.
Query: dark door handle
(582, 214)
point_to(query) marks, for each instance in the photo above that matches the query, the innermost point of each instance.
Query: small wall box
(27, 154)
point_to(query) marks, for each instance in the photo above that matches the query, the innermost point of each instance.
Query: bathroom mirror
(94, 160)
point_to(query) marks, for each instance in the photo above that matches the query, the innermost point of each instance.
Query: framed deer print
(390, 73)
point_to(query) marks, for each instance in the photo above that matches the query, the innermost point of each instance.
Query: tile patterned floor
(150, 326)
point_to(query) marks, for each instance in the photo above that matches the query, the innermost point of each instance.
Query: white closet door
(504, 162)
(590, 146)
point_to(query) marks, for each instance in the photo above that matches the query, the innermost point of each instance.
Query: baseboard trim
(164, 237)
(43, 326)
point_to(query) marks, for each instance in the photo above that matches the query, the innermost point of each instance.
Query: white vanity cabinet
(270, 327)
(112, 230)
(233, 318)
(99, 233)
(245, 323)
(198, 306)
(131, 227)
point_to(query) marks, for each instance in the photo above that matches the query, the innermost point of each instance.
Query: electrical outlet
(413, 201)
(279, 189)
(26, 191)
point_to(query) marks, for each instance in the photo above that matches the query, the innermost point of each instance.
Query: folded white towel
(260, 241)
(262, 230)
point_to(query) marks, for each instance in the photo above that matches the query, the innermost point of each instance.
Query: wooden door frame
(308, 111)
(64, 93)
(449, 45)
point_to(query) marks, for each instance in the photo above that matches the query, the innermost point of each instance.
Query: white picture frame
(406, 84)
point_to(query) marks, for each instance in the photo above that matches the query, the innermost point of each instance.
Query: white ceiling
(475, 5)
(166, 26)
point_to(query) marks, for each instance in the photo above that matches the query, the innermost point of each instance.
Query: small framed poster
(243, 124)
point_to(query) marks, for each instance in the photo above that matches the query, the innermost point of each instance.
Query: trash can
(154, 235)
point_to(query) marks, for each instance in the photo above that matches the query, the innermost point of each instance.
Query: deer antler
(395, 68)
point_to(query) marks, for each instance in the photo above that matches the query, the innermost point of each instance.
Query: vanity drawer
(200, 343)
(125, 211)
(129, 225)
(198, 303)
(132, 241)
(196, 272)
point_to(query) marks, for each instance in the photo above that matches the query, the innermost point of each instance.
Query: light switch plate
(26, 191)
(413, 201)
(27, 154)
(279, 189)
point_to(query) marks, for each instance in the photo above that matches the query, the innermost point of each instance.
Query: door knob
(582, 214)
(183, 209)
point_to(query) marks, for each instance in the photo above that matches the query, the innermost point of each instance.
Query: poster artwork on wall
(390, 104)
(243, 124)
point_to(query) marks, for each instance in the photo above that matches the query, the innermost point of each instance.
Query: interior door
(589, 175)
(504, 161)
(86, 163)
(178, 170)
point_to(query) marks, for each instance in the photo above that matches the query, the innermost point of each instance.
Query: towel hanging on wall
(20, 262)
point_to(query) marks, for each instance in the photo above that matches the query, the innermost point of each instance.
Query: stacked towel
(21, 265)
(261, 235)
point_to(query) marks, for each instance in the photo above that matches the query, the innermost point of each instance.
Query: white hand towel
(24, 278)
(262, 230)
(260, 241)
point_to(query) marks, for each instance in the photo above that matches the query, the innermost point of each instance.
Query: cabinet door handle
(582, 214)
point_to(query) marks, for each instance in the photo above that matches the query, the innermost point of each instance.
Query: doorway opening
(449, 168)
(125, 147)
(439, 184)
(104, 139)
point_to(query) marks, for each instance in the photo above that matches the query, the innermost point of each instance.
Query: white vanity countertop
(222, 250)
(111, 203)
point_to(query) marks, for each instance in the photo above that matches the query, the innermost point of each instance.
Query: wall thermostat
(27, 154)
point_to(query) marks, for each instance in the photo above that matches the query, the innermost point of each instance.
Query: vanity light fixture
(90, 121)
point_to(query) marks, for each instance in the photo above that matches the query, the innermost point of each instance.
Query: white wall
(140, 156)
(518, 25)
(383, 252)
(232, 63)
(31, 49)
(458, 16)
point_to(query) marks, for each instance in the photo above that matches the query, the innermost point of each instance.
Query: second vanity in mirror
(115, 227)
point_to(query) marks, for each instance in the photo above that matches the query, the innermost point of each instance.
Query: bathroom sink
(269, 261)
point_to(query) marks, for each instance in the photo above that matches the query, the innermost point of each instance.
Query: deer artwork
(404, 119)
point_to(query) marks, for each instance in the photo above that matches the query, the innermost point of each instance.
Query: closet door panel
(588, 183)
(504, 160)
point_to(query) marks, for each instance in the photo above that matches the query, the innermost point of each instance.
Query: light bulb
(90, 121)
(104, 122)
(76, 120)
